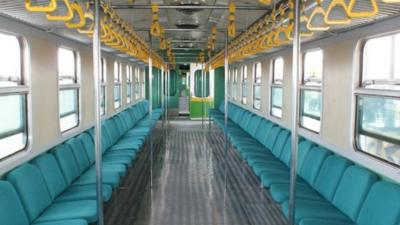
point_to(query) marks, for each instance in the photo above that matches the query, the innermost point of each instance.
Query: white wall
(341, 63)
(44, 130)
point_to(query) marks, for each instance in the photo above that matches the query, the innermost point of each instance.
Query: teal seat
(58, 187)
(12, 211)
(38, 203)
(346, 202)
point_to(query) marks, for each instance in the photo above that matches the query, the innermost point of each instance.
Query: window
(311, 91)
(257, 86)
(199, 84)
(142, 84)
(117, 85)
(276, 88)
(137, 83)
(68, 89)
(235, 87)
(103, 86)
(129, 79)
(13, 101)
(377, 127)
(244, 85)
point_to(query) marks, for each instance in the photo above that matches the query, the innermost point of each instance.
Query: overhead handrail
(316, 22)
(78, 11)
(353, 13)
(265, 2)
(338, 9)
(68, 16)
(89, 20)
(36, 8)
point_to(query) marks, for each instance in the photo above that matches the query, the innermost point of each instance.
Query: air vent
(187, 24)
(189, 7)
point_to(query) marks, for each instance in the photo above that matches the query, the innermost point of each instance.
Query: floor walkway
(195, 180)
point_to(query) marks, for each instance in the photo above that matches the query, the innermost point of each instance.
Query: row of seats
(59, 187)
(331, 190)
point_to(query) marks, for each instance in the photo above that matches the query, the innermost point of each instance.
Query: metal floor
(195, 182)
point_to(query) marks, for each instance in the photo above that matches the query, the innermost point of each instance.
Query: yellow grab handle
(265, 2)
(77, 10)
(88, 16)
(155, 29)
(357, 14)
(48, 8)
(340, 8)
(316, 22)
(68, 16)
(231, 29)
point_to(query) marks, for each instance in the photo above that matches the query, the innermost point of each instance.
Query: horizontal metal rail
(192, 7)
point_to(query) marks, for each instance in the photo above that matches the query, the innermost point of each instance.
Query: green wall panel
(219, 89)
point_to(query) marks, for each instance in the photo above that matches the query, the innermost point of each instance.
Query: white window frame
(361, 91)
(22, 89)
(244, 80)
(129, 83)
(75, 86)
(315, 88)
(275, 85)
(257, 83)
(104, 85)
(117, 82)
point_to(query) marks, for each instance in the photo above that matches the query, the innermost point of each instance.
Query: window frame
(244, 80)
(315, 88)
(361, 91)
(22, 89)
(65, 87)
(103, 80)
(275, 85)
(119, 84)
(257, 84)
(129, 83)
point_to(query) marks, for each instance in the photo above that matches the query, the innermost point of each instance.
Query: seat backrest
(255, 123)
(303, 150)
(280, 142)
(381, 206)
(330, 174)
(352, 190)
(263, 130)
(270, 139)
(88, 145)
(221, 107)
(79, 153)
(31, 188)
(312, 163)
(11, 209)
(67, 163)
(51, 173)
(286, 152)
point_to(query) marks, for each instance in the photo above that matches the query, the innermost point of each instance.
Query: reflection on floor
(195, 182)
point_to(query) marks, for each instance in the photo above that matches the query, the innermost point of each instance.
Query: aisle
(195, 182)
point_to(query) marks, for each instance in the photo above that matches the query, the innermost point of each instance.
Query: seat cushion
(323, 222)
(280, 192)
(86, 192)
(89, 177)
(86, 209)
(64, 222)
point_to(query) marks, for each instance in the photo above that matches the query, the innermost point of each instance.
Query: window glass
(381, 69)
(244, 85)
(69, 117)
(313, 68)
(198, 85)
(128, 84)
(311, 110)
(278, 71)
(103, 86)
(235, 80)
(276, 101)
(13, 129)
(378, 127)
(117, 72)
(117, 85)
(103, 71)
(10, 61)
(137, 83)
(257, 87)
(103, 100)
(66, 66)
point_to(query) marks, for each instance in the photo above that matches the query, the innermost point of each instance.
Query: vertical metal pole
(226, 68)
(151, 109)
(209, 77)
(168, 91)
(97, 104)
(295, 111)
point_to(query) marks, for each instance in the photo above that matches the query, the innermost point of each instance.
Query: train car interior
(199, 112)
